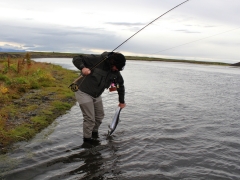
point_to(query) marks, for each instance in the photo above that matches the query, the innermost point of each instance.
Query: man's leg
(87, 107)
(99, 113)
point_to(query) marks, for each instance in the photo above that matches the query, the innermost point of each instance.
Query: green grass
(58, 105)
(39, 88)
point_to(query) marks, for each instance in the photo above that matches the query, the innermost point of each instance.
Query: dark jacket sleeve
(87, 61)
(121, 89)
(78, 62)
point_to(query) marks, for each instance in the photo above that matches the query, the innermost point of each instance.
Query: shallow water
(181, 122)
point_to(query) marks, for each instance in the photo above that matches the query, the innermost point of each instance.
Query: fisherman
(98, 75)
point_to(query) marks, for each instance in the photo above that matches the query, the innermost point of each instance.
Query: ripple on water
(181, 122)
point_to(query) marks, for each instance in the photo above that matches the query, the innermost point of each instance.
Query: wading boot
(91, 141)
(95, 135)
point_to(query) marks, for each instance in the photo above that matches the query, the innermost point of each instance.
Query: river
(181, 122)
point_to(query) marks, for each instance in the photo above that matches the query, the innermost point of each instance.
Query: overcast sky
(198, 30)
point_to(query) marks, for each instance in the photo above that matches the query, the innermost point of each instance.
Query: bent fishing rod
(74, 86)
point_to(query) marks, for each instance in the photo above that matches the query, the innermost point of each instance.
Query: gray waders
(92, 110)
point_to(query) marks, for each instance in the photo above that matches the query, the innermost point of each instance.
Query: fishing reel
(74, 87)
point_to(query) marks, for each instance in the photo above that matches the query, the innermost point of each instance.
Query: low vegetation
(32, 95)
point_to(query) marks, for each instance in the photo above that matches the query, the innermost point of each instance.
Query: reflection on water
(181, 122)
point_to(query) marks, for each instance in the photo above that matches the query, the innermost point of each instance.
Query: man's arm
(121, 92)
(82, 61)
(78, 62)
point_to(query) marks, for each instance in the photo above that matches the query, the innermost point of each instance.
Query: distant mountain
(11, 50)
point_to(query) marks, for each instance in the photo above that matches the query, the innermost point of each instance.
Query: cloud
(186, 31)
(77, 26)
(125, 24)
(59, 38)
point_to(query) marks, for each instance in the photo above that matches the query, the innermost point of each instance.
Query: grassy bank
(32, 96)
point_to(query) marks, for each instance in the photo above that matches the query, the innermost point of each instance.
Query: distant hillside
(11, 55)
(37, 54)
(236, 64)
(71, 55)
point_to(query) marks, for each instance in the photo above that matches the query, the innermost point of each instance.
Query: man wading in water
(103, 74)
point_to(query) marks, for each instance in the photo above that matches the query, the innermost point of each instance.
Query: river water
(181, 122)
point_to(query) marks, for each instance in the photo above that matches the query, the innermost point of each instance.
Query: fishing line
(74, 86)
(150, 23)
(195, 41)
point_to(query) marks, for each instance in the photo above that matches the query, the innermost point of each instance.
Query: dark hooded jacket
(101, 76)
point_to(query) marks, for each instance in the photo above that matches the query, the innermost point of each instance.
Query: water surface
(181, 122)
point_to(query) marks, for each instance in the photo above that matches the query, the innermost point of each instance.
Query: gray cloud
(125, 24)
(186, 31)
(194, 17)
(200, 25)
(60, 38)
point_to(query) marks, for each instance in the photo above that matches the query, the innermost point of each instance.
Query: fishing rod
(74, 86)
(150, 23)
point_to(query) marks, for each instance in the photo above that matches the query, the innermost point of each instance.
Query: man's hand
(122, 105)
(86, 71)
